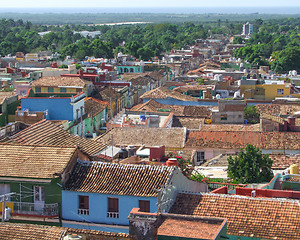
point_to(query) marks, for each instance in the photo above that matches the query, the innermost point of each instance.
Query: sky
(143, 3)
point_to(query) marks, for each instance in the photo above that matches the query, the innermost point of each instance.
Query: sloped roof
(282, 161)
(278, 109)
(94, 106)
(190, 227)
(168, 137)
(240, 139)
(47, 133)
(154, 106)
(33, 161)
(106, 94)
(4, 95)
(142, 80)
(188, 122)
(163, 93)
(18, 231)
(59, 81)
(249, 217)
(210, 65)
(185, 88)
(230, 127)
(199, 111)
(94, 234)
(118, 179)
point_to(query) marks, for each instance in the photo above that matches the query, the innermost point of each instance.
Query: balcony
(24, 208)
(83, 211)
(112, 214)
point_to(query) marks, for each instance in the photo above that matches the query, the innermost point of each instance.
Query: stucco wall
(58, 108)
(98, 206)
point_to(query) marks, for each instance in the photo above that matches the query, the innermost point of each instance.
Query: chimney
(54, 65)
(80, 72)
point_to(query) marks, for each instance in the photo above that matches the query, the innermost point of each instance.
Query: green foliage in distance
(251, 114)
(250, 166)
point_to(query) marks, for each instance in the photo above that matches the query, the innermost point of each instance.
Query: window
(224, 117)
(200, 157)
(144, 205)
(83, 206)
(63, 90)
(280, 91)
(50, 89)
(4, 188)
(38, 89)
(113, 208)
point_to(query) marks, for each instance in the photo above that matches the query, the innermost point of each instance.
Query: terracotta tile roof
(142, 80)
(200, 111)
(94, 234)
(16, 231)
(168, 137)
(107, 94)
(278, 109)
(240, 139)
(154, 106)
(118, 179)
(59, 81)
(183, 89)
(33, 161)
(163, 93)
(94, 106)
(196, 72)
(190, 227)
(156, 75)
(249, 217)
(282, 161)
(4, 95)
(188, 122)
(47, 133)
(150, 106)
(210, 65)
(230, 127)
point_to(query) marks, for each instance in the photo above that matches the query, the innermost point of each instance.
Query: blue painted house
(101, 192)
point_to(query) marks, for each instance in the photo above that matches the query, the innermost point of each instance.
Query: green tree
(251, 114)
(250, 166)
(288, 59)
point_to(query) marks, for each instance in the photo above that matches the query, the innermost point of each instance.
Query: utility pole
(4, 197)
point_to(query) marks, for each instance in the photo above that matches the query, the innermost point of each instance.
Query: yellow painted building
(266, 91)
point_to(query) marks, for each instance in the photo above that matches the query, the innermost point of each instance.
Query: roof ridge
(35, 145)
(129, 166)
(243, 197)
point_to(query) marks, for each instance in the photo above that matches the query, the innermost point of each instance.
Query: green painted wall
(52, 191)
(12, 108)
(295, 186)
(232, 237)
(3, 119)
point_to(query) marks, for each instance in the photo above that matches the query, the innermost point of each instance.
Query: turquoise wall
(129, 69)
(98, 205)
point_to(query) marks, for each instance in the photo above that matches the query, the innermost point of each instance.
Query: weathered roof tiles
(118, 179)
(33, 161)
(249, 217)
(47, 133)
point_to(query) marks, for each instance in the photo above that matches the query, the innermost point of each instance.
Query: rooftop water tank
(172, 162)
(123, 153)
(131, 150)
(294, 169)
